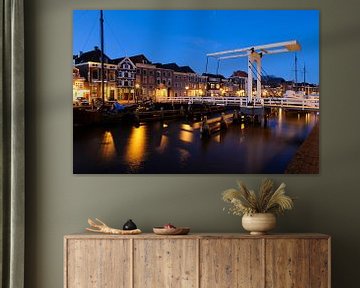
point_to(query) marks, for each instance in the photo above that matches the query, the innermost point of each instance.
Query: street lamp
(137, 86)
(186, 88)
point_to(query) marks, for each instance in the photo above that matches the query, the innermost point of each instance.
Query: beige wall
(59, 202)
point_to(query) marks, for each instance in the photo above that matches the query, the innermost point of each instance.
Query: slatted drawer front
(165, 263)
(98, 263)
(296, 263)
(231, 263)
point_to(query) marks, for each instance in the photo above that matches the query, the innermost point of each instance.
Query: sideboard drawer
(231, 263)
(98, 263)
(165, 263)
(297, 263)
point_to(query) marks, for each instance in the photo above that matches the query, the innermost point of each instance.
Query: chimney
(96, 48)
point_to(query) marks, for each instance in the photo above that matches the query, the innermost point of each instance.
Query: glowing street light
(137, 86)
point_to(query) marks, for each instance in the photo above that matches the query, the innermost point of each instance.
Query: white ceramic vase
(259, 223)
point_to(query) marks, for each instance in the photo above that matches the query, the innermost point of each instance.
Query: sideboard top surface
(87, 235)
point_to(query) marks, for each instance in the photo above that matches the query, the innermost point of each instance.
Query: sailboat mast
(304, 74)
(296, 70)
(102, 54)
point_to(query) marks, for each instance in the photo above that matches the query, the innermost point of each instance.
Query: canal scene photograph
(196, 92)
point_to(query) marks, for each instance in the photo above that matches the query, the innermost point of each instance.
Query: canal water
(175, 146)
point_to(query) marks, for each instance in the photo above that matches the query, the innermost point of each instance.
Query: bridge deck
(291, 103)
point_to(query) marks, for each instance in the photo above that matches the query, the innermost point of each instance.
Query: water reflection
(163, 144)
(107, 150)
(135, 151)
(176, 146)
(187, 127)
(186, 136)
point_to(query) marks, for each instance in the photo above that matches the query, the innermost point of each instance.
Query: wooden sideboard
(197, 260)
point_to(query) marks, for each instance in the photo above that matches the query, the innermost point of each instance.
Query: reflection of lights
(165, 125)
(163, 144)
(186, 136)
(242, 127)
(217, 138)
(136, 146)
(186, 127)
(280, 115)
(196, 125)
(107, 149)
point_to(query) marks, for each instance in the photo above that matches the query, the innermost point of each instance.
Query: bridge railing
(302, 104)
(292, 103)
(224, 101)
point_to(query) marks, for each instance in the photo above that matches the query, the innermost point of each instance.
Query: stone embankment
(306, 159)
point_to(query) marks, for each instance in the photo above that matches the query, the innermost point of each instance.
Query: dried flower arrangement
(246, 202)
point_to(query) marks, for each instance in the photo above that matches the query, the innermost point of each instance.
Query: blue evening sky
(186, 36)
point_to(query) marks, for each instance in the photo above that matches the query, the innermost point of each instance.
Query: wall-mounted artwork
(221, 92)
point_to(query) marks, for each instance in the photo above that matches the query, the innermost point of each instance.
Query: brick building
(137, 78)
(89, 65)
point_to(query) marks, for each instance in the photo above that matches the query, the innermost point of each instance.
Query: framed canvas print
(202, 91)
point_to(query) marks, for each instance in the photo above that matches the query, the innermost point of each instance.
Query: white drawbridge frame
(254, 54)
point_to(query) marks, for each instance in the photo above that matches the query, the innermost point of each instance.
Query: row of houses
(137, 78)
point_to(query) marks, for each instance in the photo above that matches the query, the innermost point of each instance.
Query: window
(138, 71)
(144, 72)
(95, 74)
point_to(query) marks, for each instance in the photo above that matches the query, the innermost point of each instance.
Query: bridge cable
(115, 36)
(90, 33)
(252, 68)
